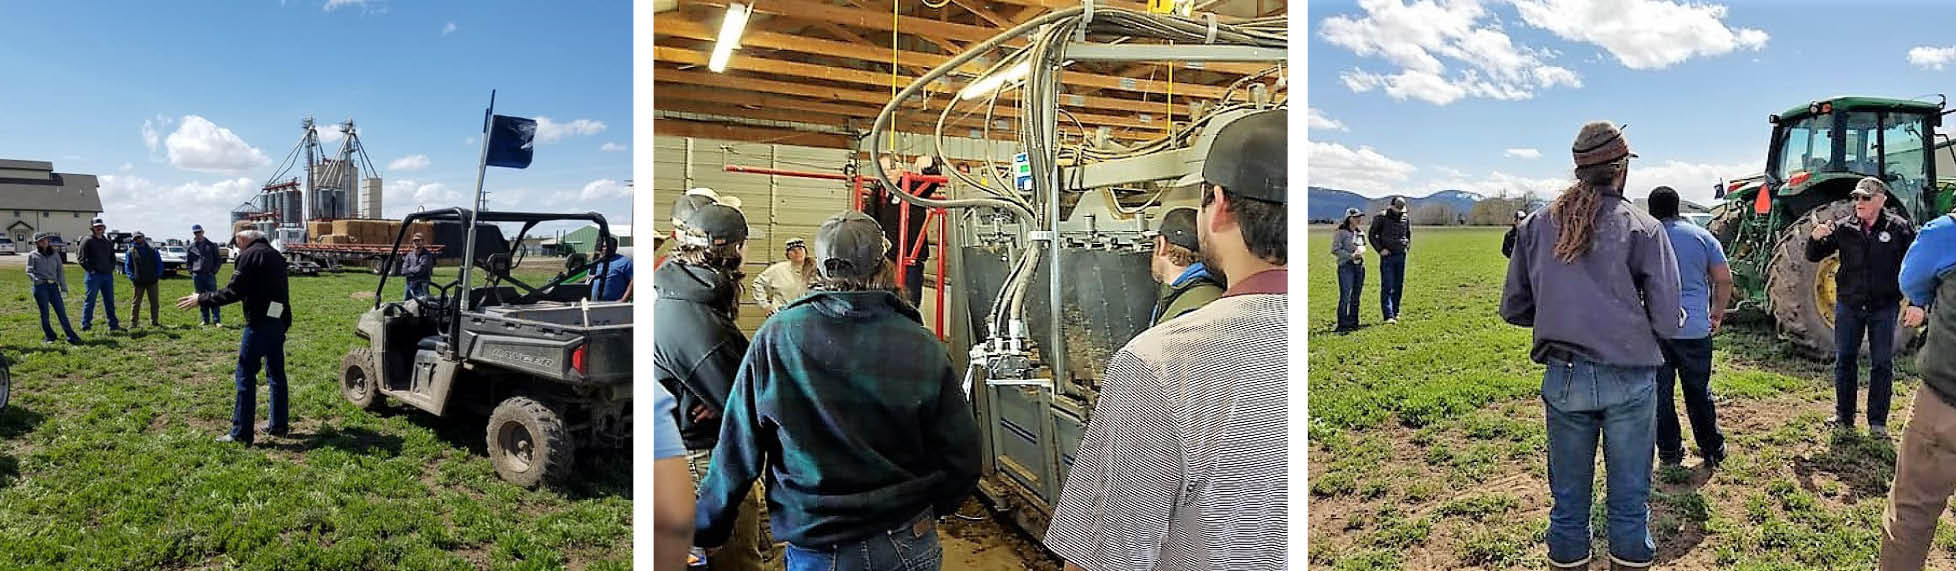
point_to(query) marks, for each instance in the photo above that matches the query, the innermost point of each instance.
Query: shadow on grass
(14, 422)
(1678, 512)
(599, 472)
(352, 440)
(1864, 465)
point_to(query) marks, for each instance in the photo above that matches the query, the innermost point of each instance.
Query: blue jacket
(143, 264)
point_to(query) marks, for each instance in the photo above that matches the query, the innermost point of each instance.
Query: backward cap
(684, 208)
(1600, 143)
(854, 242)
(716, 224)
(1248, 157)
(1178, 226)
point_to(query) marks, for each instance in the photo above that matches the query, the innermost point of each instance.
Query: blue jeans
(416, 288)
(912, 546)
(206, 283)
(1351, 283)
(49, 296)
(265, 342)
(103, 283)
(1878, 325)
(1586, 400)
(1392, 283)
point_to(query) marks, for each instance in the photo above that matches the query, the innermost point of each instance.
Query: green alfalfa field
(107, 458)
(1427, 443)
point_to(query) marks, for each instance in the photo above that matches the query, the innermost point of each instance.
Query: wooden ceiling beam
(843, 95)
(722, 131)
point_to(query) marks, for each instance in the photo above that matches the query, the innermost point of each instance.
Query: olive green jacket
(1192, 295)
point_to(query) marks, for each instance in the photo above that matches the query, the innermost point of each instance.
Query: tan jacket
(777, 285)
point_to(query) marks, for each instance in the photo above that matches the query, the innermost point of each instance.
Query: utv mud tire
(1802, 292)
(358, 381)
(529, 443)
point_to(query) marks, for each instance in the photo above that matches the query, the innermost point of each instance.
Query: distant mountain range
(1330, 203)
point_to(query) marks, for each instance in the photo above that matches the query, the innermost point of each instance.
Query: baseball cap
(704, 191)
(1350, 212)
(1178, 226)
(1248, 157)
(716, 223)
(1520, 215)
(1398, 201)
(732, 201)
(139, 235)
(39, 236)
(97, 222)
(1869, 186)
(794, 243)
(684, 208)
(196, 227)
(849, 244)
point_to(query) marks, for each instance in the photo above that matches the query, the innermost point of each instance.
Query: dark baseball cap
(793, 243)
(1248, 157)
(849, 245)
(683, 209)
(1178, 226)
(720, 223)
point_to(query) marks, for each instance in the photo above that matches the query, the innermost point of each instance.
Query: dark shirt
(143, 264)
(258, 281)
(1508, 243)
(852, 441)
(1391, 233)
(97, 255)
(1871, 259)
(418, 265)
(1612, 304)
(203, 258)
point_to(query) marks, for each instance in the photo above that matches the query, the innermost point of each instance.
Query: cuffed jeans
(1351, 283)
(266, 342)
(46, 297)
(103, 283)
(1392, 283)
(206, 283)
(1687, 362)
(1878, 326)
(912, 546)
(1925, 475)
(1584, 401)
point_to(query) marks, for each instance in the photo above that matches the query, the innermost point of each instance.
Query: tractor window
(1904, 145)
(1806, 146)
(1862, 150)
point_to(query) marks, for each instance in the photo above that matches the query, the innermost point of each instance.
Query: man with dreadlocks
(1597, 280)
(697, 349)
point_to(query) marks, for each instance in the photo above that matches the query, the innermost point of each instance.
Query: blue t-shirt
(665, 430)
(617, 273)
(1697, 252)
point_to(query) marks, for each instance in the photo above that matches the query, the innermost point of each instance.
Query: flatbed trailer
(313, 258)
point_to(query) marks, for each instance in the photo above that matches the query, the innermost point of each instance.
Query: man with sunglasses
(1871, 244)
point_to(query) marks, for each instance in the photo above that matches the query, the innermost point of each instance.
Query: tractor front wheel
(1803, 294)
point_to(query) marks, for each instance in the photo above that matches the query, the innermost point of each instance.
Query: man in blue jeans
(97, 261)
(50, 284)
(1606, 281)
(258, 284)
(1391, 235)
(1706, 282)
(1871, 244)
(203, 260)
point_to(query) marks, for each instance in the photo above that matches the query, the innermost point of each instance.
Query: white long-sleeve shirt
(777, 285)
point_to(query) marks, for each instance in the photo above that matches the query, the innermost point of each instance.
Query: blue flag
(511, 141)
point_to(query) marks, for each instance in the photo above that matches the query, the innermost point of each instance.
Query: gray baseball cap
(849, 245)
(721, 224)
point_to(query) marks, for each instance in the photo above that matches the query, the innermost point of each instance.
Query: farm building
(34, 198)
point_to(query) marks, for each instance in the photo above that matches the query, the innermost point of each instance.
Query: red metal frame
(907, 253)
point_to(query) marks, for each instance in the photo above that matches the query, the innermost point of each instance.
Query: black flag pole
(481, 168)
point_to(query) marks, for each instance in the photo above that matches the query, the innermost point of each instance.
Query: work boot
(1878, 431)
(281, 433)
(228, 438)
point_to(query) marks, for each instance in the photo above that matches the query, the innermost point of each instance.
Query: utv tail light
(579, 362)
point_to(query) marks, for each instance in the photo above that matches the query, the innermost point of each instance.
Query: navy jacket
(202, 257)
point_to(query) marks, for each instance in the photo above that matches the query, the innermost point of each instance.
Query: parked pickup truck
(550, 369)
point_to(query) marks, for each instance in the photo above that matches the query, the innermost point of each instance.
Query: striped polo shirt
(1183, 464)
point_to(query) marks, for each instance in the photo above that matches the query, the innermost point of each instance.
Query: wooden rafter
(705, 130)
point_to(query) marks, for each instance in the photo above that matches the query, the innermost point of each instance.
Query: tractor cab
(1821, 149)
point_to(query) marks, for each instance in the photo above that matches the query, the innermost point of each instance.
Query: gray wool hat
(849, 245)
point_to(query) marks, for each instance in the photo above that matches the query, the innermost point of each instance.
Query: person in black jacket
(696, 350)
(888, 210)
(1871, 244)
(97, 261)
(1391, 235)
(258, 283)
(1508, 241)
(203, 258)
(862, 451)
(144, 266)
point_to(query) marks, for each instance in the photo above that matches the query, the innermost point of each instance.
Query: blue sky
(186, 108)
(1694, 82)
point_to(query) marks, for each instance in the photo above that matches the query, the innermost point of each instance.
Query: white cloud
(469, 141)
(1415, 37)
(365, 6)
(1693, 181)
(605, 188)
(126, 166)
(1927, 57)
(152, 132)
(403, 196)
(331, 133)
(448, 29)
(202, 146)
(549, 131)
(409, 163)
(1360, 170)
(1642, 34)
(1523, 153)
(130, 203)
(1316, 119)
(612, 147)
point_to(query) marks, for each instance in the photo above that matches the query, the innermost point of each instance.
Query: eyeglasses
(1865, 198)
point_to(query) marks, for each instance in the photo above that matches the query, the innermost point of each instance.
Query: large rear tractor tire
(1802, 292)
(529, 443)
(358, 381)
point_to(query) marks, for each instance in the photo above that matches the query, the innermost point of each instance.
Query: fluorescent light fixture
(730, 29)
(991, 83)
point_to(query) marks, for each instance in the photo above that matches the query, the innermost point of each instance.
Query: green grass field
(1428, 449)
(107, 458)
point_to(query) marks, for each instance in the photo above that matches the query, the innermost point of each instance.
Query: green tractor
(1817, 154)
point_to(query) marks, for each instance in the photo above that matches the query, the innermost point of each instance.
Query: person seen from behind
(1186, 283)
(1925, 462)
(1705, 287)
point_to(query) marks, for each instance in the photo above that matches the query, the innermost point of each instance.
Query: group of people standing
(142, 265)
(1624, 303)
(1392, 235)
(858, 454)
